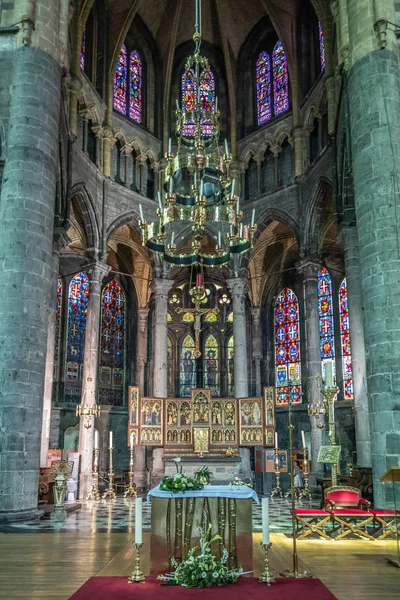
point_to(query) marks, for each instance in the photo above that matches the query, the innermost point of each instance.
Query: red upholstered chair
(350, 512)
(345, 497)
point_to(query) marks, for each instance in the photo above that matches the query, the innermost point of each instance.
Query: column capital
(238, 286)
(97, 271)
(143, 314)
(60, 239)
(309, 267)
(256, 313)
(161, 287)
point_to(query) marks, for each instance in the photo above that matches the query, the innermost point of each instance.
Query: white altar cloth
(239, 492)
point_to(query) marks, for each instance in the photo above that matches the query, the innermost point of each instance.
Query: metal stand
(305, 492)
(137, 575)
(131, 491)
(277, 489)
(94, 493)
(110, 492)
(266, 576)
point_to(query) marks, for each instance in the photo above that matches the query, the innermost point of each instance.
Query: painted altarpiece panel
(133, 407)
(269, 416)
(151, 422)
(251, 422)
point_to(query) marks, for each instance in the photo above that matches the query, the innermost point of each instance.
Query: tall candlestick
(96, 439)
(265, 520)
(303, 439)
(111, 440)
(131, 440)
(138, 521)
(141, 212)
(329, 374)
(276, 439)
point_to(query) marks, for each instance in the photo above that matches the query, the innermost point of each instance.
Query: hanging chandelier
(199, 193)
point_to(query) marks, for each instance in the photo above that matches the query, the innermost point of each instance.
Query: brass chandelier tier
(199, 193)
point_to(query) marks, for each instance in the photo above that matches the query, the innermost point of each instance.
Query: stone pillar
(309, 268)
(26, 246)
(142, 338)
(257, 348)
(161, 287)
(375, 128)
(238, 288)
(96, 273)
(298, 146)
(354, 297)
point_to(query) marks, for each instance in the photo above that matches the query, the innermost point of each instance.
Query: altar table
(176, 519)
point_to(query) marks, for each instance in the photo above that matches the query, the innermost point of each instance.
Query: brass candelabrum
(266, 576)
(110, 491)
(131, 491)
(137, 575)
(277, 489)
(305, 492)
(94, 493)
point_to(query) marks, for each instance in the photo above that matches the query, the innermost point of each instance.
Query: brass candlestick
(266, 576)
(131, 491)
(277, 489)
(94, 493)
(137, 575)
(305, 492)
(329, 394)
(110, 492)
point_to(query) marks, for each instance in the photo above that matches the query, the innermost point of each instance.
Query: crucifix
(199, 294)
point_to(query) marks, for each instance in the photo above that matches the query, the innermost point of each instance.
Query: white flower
(177, 476)
(177, 459)
(215, 575)
(204, 575)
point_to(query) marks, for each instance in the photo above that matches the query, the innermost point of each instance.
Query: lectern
(391, 479)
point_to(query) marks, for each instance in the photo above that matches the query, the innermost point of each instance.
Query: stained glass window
(263, 81)
(188, 317)
(57, 326)
(189, 91)
(211, 365)
(187, 367)
(83, 50)
(345, 342)
(325, 313)
(120, 82)
(281, 79)
(207, 91)
(231, 367)
(135, 95)
(321, 46)
(211, 317)
(77, 309)
(287, 348)
(112, 353)
(229, 318)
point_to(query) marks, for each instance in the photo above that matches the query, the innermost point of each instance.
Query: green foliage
(180, 483)
(203, 476)
(201, 568)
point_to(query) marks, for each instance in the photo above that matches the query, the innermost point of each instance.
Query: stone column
(375, 128)
(161, 287)
(309, 268)
(142, 338)
(257, 349)
(96, 273)
(26, 246)
(238, 288)
(354, 297)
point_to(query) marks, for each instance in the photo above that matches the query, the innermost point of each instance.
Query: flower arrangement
(179, 483)
(201, 568)
(237, 481)
(203, 476)
(229, 452)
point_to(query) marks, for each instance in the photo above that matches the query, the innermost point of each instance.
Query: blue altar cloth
(239, 492)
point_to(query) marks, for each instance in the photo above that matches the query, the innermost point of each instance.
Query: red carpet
(117, 588)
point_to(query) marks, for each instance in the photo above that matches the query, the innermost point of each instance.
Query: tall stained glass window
(57, 325)
(281, 79)
(120, 81)
(326, 330)
(207, 91)
(211, 365)
(321, 46)
(187, 367)
(263, 81)
(231, 367)
(287, 348)
(83, 50)
(112, 342)
(345, 342)
(189, 91)
(135, 93)
(77, 309)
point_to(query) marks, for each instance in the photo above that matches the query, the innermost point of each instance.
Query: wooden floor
(52, 566)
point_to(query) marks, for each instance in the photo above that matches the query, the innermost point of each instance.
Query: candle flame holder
(110, 491)
(131, 491)
(94, 493)
(305, 492)
(277, 489)
(137, 575)
(266, 576)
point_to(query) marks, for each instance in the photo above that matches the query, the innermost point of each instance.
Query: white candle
(226, 147)
(172, 238)
(111, 439)
(276, 439)
(138, 521)
(141, 212)
(201, 189)
(171, 183)
(131, 439)
(253, 216)
(328, 374)
(233, 187)
(265, 521)
(159, 200)
(219, 239)
(195, 178)
(177, 104)
(237, 207)
(216, 103)
(96, 439)
(169, 146)
(303, 439)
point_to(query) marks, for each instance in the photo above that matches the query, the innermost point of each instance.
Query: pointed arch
(120, 81)
(281, 79)
(187, 378)
(326, 328)
(78, 294)
(345, 343)
(263, 83)
(287, 348)
(211, 365)
(135, 87)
